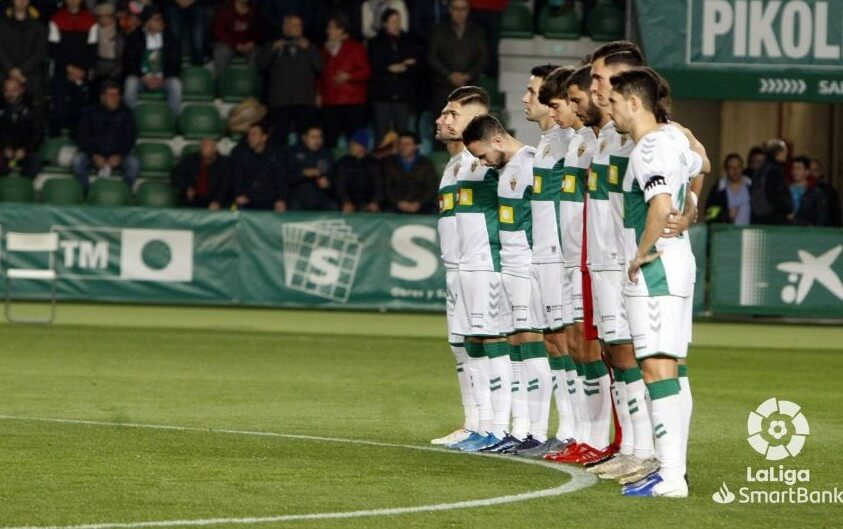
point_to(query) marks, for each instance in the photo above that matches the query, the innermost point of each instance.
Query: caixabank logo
(125, 254)
(777, 430)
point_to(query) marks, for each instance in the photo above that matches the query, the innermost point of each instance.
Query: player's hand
(636, 264)
(676, 224)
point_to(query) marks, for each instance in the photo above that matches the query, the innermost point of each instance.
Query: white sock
(598, 402)
(687, 399)
(500, 386)
(563, 396)
(469, 404)
(583, 420)
(520, 406)
(479, 366)
(668, 427)
(639, 414)
(539, 388)
(627, 434)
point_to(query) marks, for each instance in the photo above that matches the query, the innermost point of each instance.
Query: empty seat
(109, 192)
(200, 121)
(16, 189)
(197, 84)
(156, 195)
(50, 154)
(154, 120)
(238, 83)
(565, 25)
(517, 22)
(156, 159)
(62, 191)
(606, 21)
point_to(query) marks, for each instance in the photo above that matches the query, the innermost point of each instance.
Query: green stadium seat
(238, 83)
(156, 159)
(200, 121)
(517, 22)
(109, 192)
(49, 154)
(16, 189)
(154, 120)
(156, 195)
(563, 26)
(189, 148)
(440, 160)
(62, 191)
(197, 84)
(606, 21)
(156, 95)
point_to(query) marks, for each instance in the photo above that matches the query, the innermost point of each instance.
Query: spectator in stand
(152, 61)
(487, 14)
(372, 16)
(291, 65)
(810, 207)
(72, 45)
(129, 16)
(343, 84)
(236, 32)
(729, 201)
(23, 48)
(755, 159)
(458, 53)
(105, 136)
(410, 182)
(191, 17)
(357, 177)
(831, 194)
(309, 167)
(276, 11)
(258, 170)
(203, 178)
(769, 196)
(394, 58)
(425, 15)
(21, 132)
(110, 41)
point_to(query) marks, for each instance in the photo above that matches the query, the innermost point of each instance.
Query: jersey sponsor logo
(592, 180)
(613, 175)
(466, 197)
(506, 215)
(655, 181)
(537, 184)
(569, 184)
(446, 202)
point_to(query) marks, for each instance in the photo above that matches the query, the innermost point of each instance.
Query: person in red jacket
(237, 31)
(487, 15)
(343, 84)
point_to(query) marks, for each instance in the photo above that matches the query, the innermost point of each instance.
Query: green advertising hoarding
(746, 49)
(777, 271)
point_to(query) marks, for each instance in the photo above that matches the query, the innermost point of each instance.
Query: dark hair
(388, 13)
(580, 78)
(482, 128)
(542, 70)
(627, 58)
(262, 124)
(108, 85)
(804, 160)
(466, 95)
(649, 86)
(553, 86)
(310, 126)
(409, 134)
(732, 156)
(618, 46)
(341, 21)
(755, 151)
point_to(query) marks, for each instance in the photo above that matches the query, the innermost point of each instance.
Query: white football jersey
(572, 204)
(477, 216)
(547, 192)
(514, 214)
(449, 241)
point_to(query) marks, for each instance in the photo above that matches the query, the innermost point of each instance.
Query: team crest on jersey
(513, 182)
(546, 151)
(474, 165)
(456, 170)
(624, 138)
(537, 184)
(602, 146)
(581, 150)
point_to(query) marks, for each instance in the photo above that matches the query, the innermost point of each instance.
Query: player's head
(637, 93)
(554, 95)
(534, 109)
(464, 104)
(612, 59)
(485, 138)
(579, 95)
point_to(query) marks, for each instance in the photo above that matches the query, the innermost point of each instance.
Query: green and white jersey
(605, 199)
(477, 216)
(659, 164)
(574, 180)
(449, 241)
(515, 187)
(547, 192)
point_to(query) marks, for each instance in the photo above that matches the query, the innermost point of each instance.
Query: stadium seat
(197, 84)
(155, 95)
(238, 83)
(517, 22)
(189, 148)
(16, 189)
(563, 26)
(62, 191)
(50, 151)
(440, 161)
(606, 21)
(156, 195)
(156, 159)
(200, 121)
(154, 120)
(109, 192)
(497, 97)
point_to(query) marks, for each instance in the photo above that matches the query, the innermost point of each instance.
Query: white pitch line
(579, 480)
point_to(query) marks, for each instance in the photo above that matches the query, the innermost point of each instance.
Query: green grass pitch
(386, 378)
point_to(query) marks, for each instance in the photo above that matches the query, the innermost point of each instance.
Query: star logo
(808, 270)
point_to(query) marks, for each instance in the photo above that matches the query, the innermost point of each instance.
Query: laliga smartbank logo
(777, 430)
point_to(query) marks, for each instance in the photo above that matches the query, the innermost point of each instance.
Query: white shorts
(659, 325)
(454, 307)
(516, 294)
(572, 295)
(483, 304)
(689, 319)
(546, 298)
(610, 315)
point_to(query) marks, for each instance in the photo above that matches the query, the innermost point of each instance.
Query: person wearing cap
(152, 61)
(358, 180)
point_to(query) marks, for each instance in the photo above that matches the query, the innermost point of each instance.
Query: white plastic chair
(32, 242)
